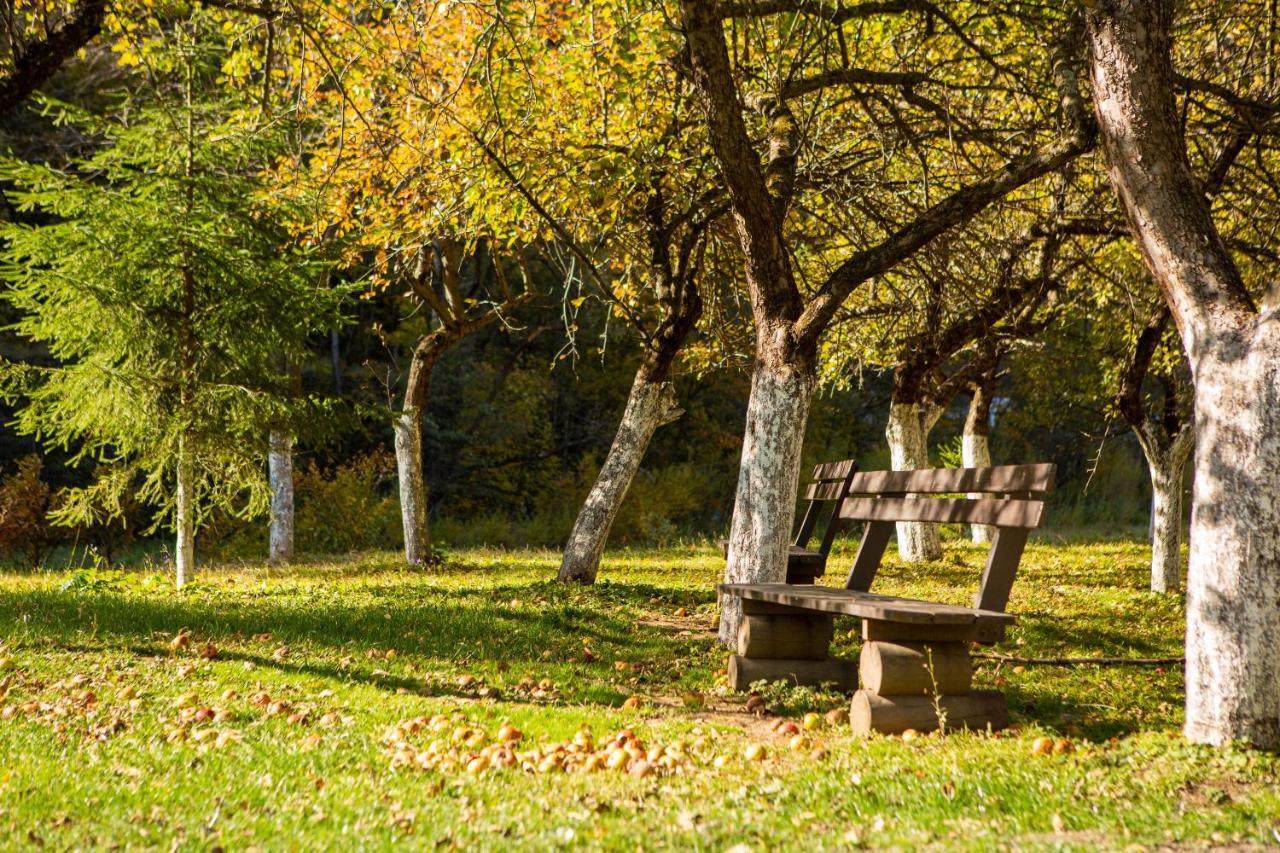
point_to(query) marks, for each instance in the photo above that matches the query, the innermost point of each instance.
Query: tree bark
(280, 473)
(650, 405)
(1233, 573)
(975, 447)
(908, 437)
(408, 441)
(185, 521)
(768, 475)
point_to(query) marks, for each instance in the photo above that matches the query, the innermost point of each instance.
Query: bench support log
(810, 673)
(871, 712)
(802, 637)
(916, 669)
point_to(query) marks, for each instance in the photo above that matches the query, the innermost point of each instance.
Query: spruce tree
(167, 283)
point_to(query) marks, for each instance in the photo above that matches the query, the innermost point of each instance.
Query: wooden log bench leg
(871, 712)
(784, 644)
(920, 684)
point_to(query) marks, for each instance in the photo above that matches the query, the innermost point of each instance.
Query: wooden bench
(915, 667)
(829, 486)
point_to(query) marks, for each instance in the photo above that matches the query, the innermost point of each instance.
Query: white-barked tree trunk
(413, 486)
(1233, 570)
(185, 518)
(908, 437)
(975, 452)
(650, 405)
(768, 475)
(280, 475)
(1167, 466)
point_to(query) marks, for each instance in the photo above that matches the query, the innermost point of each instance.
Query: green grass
(95, 750)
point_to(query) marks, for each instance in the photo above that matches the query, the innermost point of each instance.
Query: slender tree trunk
(280, 473)
(1233, 571)
(413, 486)
(908, 437)
(768, 476)
(1166, 521)
(975, 447)
(185, 521)
(335, 360)
(650, 405)
(408, 435)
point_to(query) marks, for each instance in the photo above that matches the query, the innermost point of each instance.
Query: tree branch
(960, 205)
(42, 58)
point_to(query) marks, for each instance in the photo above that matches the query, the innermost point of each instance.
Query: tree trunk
(975, 448)
(1233, 574)
(335, 360)
(768, 476)
(280, 473)
(408, 434)
(185, 521)
(413, 487)
(908, 437)
(649, 406)
(1166, 523)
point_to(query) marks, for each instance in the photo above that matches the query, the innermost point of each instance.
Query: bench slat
(833, 470)
(867, 605)
(825, 491)
(1001, 513)
(1034, 480)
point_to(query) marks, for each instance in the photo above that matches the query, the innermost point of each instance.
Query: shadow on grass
(533, 623)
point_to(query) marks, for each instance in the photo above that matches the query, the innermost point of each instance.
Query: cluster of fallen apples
(460, 746)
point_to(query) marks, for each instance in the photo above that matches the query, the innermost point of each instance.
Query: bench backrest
(829, 485)
(1008, 497)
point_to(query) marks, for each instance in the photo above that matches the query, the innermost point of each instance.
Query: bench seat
(867, 605)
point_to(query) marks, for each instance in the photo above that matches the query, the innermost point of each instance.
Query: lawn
(342, 704)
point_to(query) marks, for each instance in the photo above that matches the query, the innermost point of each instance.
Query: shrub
(352, 508)
(25, 529)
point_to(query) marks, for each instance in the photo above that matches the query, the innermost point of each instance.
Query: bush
(25, 500)
(352, 508)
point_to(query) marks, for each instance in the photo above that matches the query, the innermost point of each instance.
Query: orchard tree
(165, 282)
(799, 98)
(1232, 344)
(1166, 436)
(595, 135)
(961, 302)
(425, 209)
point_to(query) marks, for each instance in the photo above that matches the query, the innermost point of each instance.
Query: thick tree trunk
(1233, 573)
(280, 473)
(649, 406)
(768, 476)
(908, 437)
(975, 449)
(185, 518)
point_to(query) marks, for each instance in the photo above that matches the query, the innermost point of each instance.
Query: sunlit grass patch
(259, 709)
